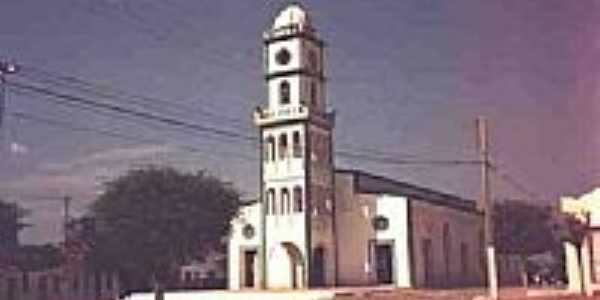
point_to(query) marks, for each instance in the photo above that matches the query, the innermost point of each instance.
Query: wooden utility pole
(6, 68)
(67, 246)
(486, 206)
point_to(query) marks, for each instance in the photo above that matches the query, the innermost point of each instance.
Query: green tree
(38, 257)
(151, 220)
(572, 229)
(11, 222)
(523, 229)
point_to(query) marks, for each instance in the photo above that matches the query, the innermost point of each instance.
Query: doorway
(384, 263)
(318, 267)
(249, 268)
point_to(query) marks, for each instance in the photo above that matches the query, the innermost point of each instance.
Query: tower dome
(292, 15)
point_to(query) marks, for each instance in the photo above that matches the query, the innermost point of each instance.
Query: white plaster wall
(287, 173)
(296, 92)
(395, 209)
(595, 255)
(466, 227)
(283, 229)
(237, 243)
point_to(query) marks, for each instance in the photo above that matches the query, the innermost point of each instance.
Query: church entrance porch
(287, 267)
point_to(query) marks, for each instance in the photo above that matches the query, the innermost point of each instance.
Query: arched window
(297, 145)
(283, 146)
(298, 203)
(271, 202)
(284, 92)
(285, 201)
(269, 149)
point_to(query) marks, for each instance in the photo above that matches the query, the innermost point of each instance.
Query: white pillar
(492, 272)
(572, 267)
(586, 260)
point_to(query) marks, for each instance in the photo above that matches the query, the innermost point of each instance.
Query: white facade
(328, 228)
(245, 240)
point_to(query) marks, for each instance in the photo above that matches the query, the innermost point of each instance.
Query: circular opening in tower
(283, 57)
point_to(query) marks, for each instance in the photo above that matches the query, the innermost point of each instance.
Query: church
(317, 226)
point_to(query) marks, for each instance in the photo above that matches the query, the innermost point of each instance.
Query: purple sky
(407, 77)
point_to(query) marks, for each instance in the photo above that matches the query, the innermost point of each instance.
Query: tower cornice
(297, 71)
(273, 37)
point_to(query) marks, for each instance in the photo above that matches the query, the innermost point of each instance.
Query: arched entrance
(297, 269)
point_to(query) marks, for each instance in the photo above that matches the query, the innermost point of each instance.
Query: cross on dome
(292, 15)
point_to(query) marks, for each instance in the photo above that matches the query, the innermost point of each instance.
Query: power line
(217, 132)
(515, 183)
(77, 100)
(393, 161)
(114, 93)
(119, 117)
(70, 99)
(111, 133)
(120, 94)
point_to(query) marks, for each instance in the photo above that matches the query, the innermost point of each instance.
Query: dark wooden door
(383, 263)
(318, 267)
(249, 267)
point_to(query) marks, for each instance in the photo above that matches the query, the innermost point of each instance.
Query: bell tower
(297, 194)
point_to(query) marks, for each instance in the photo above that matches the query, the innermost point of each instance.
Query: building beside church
(582, 262)
(314, 225)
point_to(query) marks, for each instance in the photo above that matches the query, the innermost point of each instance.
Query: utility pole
(486, 206)
(5, 69)
(67, 246)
